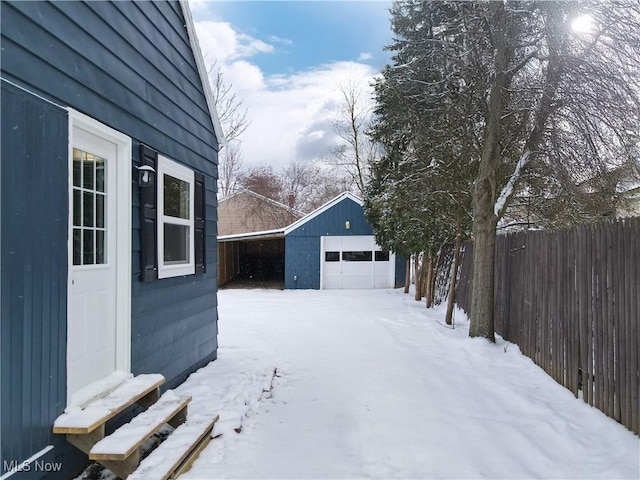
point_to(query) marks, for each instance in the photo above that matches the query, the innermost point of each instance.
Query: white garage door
(355, 262)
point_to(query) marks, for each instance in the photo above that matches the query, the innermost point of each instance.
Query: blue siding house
(108, 210)
(334, 247)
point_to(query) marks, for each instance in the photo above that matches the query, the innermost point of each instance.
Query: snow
(78, 416)
(370, 384)
(172, 451)
(97, 389)
(508, 188)
(127, 437)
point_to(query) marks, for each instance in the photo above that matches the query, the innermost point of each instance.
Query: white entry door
(94, 336)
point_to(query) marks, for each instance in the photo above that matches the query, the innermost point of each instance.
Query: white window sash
(180, 172)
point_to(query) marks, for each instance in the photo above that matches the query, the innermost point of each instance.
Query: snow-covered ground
(370, 384)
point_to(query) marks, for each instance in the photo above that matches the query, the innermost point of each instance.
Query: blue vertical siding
(302, 262)
(33, 269)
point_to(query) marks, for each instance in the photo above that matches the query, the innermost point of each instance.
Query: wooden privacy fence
(571, 301)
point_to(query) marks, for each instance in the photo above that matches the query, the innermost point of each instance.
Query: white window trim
(174, 169)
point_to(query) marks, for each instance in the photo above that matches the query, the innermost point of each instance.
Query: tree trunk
(428, 284)
(484, 237)
(407, 276)
(451, 300)
(417, 272)
(434, 276)
(485, 195)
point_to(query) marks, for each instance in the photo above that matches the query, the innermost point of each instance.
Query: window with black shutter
(172, 220)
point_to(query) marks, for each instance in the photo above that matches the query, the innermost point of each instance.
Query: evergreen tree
(513, 94)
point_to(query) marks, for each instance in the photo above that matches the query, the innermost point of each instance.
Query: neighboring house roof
(245, 191)
(264, 235)
(322, 209)
(249, 212)
(202, 71)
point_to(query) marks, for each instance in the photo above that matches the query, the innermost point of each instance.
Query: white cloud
(291, 115)
(280, 40)
(221, 39)
(316, 135)
(364, 56)
(198, 5)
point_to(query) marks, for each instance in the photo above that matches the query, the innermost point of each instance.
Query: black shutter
(199, 208)
(148, 220)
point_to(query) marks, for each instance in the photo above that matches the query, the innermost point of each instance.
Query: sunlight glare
(583, 24)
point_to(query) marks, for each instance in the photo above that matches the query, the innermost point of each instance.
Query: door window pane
(100, 172)
(88, 171)
(77, 167)
(77, 246)
(89, 209)
(77, 207)
(88, 247)
(100, 211)
(100, 251)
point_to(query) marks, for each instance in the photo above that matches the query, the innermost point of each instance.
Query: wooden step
(143, 389)
(125, 441)
(176, 454)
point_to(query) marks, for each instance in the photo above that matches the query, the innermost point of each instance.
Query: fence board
(624, 366)
(630, 296)
(606, 321)
(598, 322)
(618, 325)
(574, 338)
(635, 313)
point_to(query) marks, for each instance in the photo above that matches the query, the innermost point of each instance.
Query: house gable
(330, 219)
(138, 70)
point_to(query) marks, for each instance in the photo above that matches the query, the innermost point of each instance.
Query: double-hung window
(176, 190)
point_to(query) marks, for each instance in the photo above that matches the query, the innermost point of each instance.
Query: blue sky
(286, 60)
(308, 33)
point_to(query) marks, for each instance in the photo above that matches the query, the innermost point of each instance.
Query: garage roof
(320, 210)
(266, 234)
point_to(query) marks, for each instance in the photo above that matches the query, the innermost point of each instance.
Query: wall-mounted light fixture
(347, 225)
(146, 176)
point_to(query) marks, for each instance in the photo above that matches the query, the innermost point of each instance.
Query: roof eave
(202, 71)
(322, 209)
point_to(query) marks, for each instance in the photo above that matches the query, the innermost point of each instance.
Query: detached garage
(334, 247)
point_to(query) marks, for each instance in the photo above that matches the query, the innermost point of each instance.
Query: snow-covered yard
(371, 384)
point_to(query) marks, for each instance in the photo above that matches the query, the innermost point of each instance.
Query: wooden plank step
(128, 438)
(177, 452)
(103, 409)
